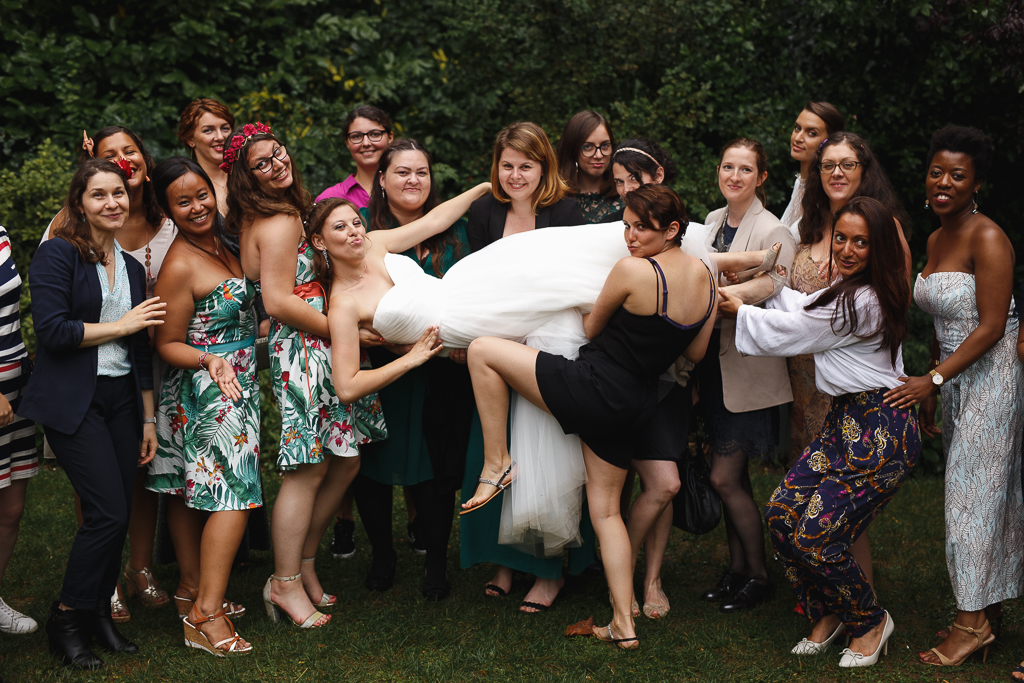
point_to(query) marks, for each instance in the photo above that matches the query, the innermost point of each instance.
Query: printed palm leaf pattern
(313, 420)
(213, 443)
(167, 470)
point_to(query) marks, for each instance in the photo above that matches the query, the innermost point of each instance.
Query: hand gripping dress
(313, 419)
(982, 418)
(207, 445)
(530, 287)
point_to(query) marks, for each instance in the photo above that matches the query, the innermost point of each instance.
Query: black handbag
(697, 507)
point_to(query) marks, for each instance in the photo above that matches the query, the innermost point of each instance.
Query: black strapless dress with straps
(609, 392)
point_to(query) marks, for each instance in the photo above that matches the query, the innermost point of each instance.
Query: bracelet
(149, 420)
(202, 359)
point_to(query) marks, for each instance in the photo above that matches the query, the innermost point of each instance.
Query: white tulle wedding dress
(532, 287)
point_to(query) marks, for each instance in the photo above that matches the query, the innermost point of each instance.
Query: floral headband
(238, 142)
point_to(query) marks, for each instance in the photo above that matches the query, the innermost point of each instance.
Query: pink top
(347, 189)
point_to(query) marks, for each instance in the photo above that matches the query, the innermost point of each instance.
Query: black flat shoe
(68, 634)
(749, 596)
(382, 574)
(106, 633)
(727, 585)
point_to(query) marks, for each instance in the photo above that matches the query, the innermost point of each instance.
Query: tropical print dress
(313, 419)
(207, 445)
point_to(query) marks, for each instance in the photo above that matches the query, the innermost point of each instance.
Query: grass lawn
(397, 636)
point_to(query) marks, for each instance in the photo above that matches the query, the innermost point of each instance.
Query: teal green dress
(403, 459)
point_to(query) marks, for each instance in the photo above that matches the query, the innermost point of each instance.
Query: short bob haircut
(73, 227)
(576, 132)
(194, 111)
(658, 207)
(965, 140)
(531, 141)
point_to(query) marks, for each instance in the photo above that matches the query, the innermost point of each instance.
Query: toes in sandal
(195, 638)
(118, 610)
(620, 643)
(276, 613)
(150, 596)
(326, 599)
(982, 643)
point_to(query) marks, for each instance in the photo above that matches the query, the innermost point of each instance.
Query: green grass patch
(397, 636)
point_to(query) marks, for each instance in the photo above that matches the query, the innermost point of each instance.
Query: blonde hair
(531, 141)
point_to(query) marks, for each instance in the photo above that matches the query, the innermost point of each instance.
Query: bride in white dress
(377, 295)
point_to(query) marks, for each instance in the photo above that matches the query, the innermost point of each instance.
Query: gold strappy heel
(326, 599)
(275, 612)
(983, 644)
(150, 596)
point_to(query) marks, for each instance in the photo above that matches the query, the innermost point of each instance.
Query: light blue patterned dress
(982, 418)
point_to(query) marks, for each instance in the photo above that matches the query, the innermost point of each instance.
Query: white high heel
(809, 647)
(851, 659)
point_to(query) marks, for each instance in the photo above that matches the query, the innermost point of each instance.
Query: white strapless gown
(532, 288)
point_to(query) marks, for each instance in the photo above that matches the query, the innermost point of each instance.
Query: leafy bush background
(690, 74)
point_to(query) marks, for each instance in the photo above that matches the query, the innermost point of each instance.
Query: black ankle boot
(382, 572)
(435, 581)
(106, 634)
(68, 632)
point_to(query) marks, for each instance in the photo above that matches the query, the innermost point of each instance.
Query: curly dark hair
(657, 204)
(247, 200)
(965, 140)
(874, 183)
(636, 163)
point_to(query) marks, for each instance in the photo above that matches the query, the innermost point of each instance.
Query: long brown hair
(247, 200)
(575, 134)
(829, 114)
(381, 217)
(886, 274)
(313, 224)
(73, 226)
(817, 208)
(531, 141)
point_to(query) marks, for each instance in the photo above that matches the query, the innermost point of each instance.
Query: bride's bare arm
(351, 383)
(613, 293)
(437, 221)
(278, 242)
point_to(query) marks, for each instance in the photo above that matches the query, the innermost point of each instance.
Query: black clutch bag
(696, 508)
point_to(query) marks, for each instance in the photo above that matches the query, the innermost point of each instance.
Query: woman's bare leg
(649, 525)
(289, 528)
(340, 473)
(221, 538)
(604, 486)
(12, 505)
(186, 529)
(141, 527)
(495, 365)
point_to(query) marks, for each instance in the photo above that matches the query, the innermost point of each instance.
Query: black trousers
(435, 510)
(100, 460)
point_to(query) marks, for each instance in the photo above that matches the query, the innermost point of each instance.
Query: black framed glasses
(374, 135)
(266, 163)
(589, 149)
(827, 167)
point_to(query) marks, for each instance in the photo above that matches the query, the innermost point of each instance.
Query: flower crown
(238, 142)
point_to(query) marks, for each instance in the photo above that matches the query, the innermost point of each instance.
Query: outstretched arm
(437, 221)
(351, 383)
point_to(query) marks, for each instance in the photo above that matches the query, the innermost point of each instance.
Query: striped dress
(18, 439)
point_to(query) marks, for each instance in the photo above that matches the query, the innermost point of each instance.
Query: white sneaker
(13, 621)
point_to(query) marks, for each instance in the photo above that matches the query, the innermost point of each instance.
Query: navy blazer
(66, 294)
(487, 219)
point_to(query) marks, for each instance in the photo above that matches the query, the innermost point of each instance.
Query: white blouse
(795, 210)
(843, 363)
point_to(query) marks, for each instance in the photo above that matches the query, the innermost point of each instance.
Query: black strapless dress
(609, 392)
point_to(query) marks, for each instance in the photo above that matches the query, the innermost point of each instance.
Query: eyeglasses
(266, 163)
(827, 167)
(374, 135)
(589, 149)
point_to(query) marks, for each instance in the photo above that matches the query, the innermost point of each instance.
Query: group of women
(394, 328)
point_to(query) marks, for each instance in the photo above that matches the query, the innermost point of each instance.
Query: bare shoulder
(989, 243)
(275, 229)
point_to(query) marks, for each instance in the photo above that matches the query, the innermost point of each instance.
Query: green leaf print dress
(207, 445)
(313, 419)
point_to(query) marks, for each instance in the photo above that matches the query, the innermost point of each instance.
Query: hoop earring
(975, 209)
(927, 205)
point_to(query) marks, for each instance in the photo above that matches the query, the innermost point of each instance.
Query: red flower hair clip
(238, 142)
(123, 164)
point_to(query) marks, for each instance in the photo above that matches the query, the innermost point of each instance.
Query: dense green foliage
(690, 74)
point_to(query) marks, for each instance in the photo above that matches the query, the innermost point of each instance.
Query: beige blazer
(750, 382)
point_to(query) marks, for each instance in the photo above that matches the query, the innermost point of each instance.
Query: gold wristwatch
(937, 379)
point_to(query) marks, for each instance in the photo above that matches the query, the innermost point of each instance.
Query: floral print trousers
(841, 482)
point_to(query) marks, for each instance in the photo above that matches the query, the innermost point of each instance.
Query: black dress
(609, 392)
